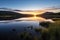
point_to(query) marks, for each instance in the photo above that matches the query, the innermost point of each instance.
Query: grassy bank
(52, 32)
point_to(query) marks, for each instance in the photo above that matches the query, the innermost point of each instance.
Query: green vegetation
(54, 30)
(10, 15)
(50, 33)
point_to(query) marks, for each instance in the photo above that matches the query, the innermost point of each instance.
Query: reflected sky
(32, 19)
(35, 18)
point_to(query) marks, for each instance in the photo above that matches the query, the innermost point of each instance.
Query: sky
(29, 4)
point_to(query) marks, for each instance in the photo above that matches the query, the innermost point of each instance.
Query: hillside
(9, 15)
(50, 15)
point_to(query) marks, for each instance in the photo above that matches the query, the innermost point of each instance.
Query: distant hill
(49, 15)
(9, 15)
(8, 9)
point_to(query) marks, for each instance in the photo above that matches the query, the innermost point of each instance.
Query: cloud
(53, 8)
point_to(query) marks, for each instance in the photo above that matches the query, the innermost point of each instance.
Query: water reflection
(32, 19)
(13, 28)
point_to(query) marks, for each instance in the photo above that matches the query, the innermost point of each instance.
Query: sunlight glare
(35, 15)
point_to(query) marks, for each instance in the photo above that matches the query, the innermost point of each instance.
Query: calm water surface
(20, 24)
(10, 28)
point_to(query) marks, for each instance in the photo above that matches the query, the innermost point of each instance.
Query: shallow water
(21, 24)
(32, 19)
(11, 28)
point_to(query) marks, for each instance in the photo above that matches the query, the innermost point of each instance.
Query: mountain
(9, 15)
(8, 9)
(49, 15)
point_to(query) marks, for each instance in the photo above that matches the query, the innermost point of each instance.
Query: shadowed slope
(9, 15)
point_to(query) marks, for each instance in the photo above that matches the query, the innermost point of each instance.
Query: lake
(9, 29)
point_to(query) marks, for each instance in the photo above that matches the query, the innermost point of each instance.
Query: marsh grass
(50, 33)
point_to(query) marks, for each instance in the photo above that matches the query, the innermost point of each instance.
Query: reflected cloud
(32, 19)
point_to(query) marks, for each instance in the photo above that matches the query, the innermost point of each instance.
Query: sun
(35, 15)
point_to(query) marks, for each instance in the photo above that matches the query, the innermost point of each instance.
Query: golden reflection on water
(32, 19)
